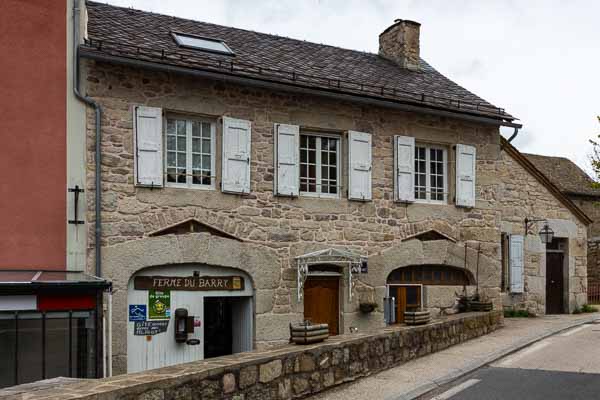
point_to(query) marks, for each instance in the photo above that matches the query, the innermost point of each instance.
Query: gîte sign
(188, 282)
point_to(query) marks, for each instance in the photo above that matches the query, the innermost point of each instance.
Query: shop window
(430, 275)
(39, 346)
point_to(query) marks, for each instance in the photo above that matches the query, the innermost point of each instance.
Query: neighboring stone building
(264, 180)
(579, 187)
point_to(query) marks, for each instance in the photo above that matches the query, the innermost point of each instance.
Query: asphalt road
(564, 366)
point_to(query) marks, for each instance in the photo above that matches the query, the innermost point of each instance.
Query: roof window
(201, 43)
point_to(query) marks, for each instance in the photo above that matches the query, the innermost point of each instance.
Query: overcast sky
(539, 59)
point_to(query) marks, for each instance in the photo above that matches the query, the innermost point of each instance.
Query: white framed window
(190, 153)
(319, 165)
(431, 177)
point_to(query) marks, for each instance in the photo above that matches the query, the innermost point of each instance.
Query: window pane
(171, 159)
(181, 160)
(84, 351)
(171, 142)
(196, 145)
(7, 350)
(206, 130)
(181, 143)
(312, 142)
(412, 295)
(29, 350)
(206, 146)
(312, 156)
(324, 172)
(196, 129)
(171, 127)
(181, 127)
(196, 162)
(171, 175)
(333, 158)
(57, 347)
(437, 275)
(205, 162)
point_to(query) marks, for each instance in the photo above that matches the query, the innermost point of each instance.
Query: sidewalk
(417, 377)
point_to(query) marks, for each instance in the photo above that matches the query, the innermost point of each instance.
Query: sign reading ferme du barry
(191, 283)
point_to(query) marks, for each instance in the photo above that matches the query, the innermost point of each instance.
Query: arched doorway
(183, 313)
(406, 284)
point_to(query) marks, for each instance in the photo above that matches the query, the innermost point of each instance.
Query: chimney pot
(400, 43)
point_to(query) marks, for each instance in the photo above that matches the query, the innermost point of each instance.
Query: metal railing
(186, 58)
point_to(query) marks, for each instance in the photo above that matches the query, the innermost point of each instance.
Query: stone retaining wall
(284, 373)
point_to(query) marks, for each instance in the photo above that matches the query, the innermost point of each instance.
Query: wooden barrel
(417, 317)
(481, 306)
(306, 333)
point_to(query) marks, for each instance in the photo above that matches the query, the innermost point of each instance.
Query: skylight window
(201, 43)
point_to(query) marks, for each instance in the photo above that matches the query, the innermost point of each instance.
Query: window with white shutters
(360, 166)
(287, 158)
(430, 174)
(148, 146)
(404, 161)
(466, 163)
(319, 165)
(190, 153)
(236, 155)
(516, 250)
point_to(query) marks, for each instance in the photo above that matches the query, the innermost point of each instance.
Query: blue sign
(137, 312)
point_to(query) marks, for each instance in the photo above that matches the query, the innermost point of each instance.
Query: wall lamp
(546, 234)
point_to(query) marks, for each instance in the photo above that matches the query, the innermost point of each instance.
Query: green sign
(159, 304)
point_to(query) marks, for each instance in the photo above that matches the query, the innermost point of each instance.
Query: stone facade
(287, 373)
(277, 229)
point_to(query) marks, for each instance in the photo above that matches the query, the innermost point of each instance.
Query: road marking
(456, 389)
(572, 331)
(523, 353)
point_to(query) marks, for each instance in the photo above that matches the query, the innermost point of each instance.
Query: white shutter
(404, 171)
(466, 165)
(148, 146)
(287, 158)
(360, 165)
(516, 263)
(236, 156)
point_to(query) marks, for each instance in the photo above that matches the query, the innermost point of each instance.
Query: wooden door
(321, 302)
(408, 298)
(554, 283)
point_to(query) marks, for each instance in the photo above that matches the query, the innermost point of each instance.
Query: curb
(459, 373)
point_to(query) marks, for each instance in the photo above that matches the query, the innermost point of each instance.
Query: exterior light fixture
(546, 233)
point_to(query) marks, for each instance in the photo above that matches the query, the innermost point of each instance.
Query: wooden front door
(554, 283)
(321, 302)
(408, 298)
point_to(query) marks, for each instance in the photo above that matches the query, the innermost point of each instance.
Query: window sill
(192, 187)
(319, 196)
(431, 202)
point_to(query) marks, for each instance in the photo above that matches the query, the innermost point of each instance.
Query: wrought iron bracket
(76, 190)
(529, 223)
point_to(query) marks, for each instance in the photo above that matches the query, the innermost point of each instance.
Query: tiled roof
(145, 36)
(565, 174)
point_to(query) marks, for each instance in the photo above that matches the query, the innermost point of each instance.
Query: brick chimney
(400, 43)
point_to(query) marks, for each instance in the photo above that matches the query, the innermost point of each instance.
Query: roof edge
(404, 106)
(533, 170)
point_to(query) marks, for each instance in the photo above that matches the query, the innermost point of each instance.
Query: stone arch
(416, 252)
(123, 260)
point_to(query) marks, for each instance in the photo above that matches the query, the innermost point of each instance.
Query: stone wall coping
(199, 370)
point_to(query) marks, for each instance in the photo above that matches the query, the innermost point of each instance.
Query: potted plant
(367, 307)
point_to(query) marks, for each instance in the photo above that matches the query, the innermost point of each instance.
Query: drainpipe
(514, 135)
(98, 158)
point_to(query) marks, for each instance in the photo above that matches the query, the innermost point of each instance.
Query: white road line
(572, 331)
(523, 353)
(456, 389)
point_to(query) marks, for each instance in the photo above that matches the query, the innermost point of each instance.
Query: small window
(319, 165)
(201, 43)
(190, 153)
(430, 174)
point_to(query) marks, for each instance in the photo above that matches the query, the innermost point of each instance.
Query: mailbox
(184, 325)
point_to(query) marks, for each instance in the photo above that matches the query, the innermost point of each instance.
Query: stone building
(250, 181)
(578, 186)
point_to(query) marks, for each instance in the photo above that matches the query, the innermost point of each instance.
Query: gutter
(274, 85)
(98, 155)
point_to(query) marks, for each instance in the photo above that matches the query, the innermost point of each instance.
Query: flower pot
(367, 307)
(307, 333)
(417, 317)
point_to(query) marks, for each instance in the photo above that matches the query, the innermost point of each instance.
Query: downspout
(514, 135)
(98, 156)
